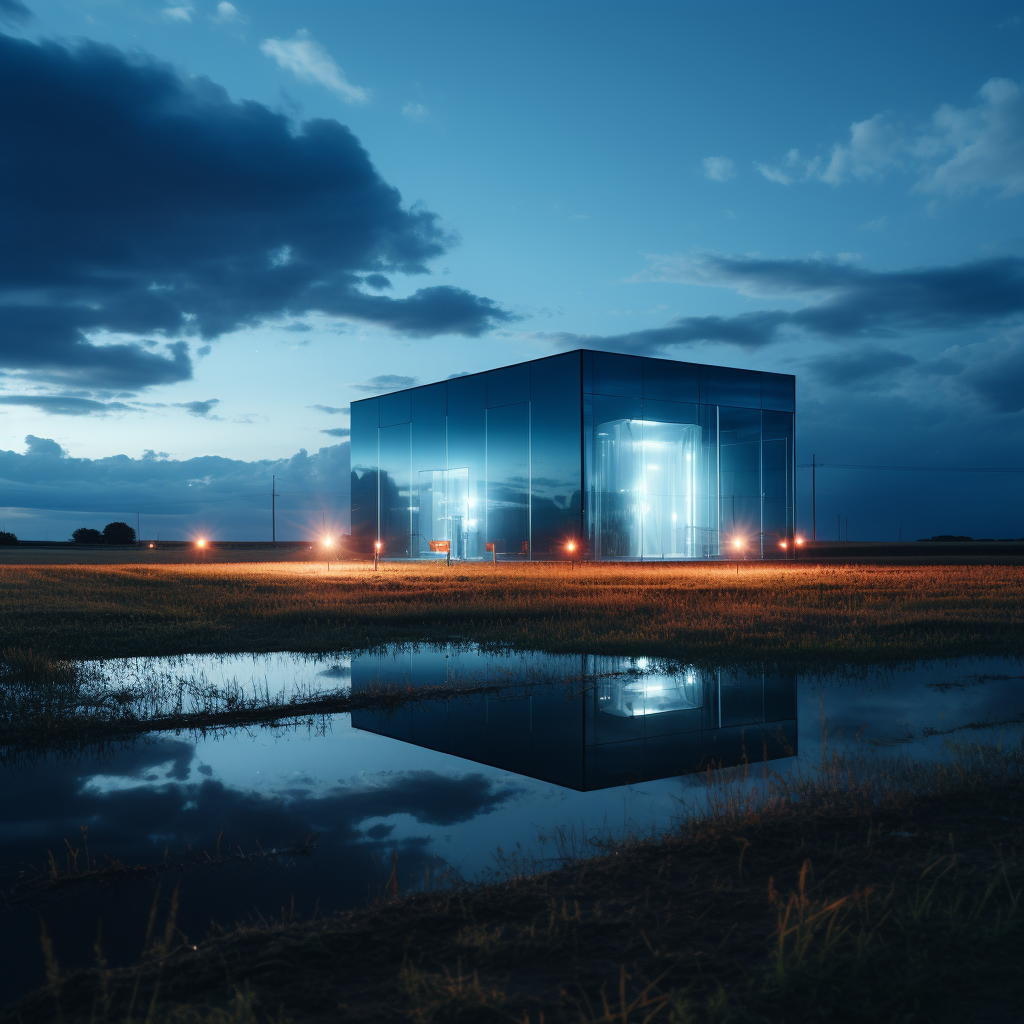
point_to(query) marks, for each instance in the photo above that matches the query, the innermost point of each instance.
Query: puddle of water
(574, 747)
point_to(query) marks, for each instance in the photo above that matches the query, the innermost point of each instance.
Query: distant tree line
(7, 538)
(113, 533)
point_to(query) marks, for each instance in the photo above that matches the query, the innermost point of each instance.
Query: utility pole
(273, 510)
(814, 498)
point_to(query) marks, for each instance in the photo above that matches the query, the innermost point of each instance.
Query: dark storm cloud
(65, 405)
(202, 409)
(386, 382)
(209, 490)
(14, 13)
(852, 303)
(135, 202)
(861, 367)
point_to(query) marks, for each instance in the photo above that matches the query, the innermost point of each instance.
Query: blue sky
(832, 190)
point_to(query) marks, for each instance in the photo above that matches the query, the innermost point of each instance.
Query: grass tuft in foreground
(842, 895)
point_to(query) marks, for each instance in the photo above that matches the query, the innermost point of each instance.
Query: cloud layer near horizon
(142, 210)
(176, 497)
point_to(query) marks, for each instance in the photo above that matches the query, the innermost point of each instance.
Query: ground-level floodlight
(377, 546)
(783, 545)
(328, 541)
(152, 545)
(571, 548)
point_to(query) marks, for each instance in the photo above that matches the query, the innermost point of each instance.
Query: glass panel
(648, 481)
(708, 506)
(396, 408)
(618, 375)
(443, 506)
(508, 386)
(364, 475)
(614, 528)
(739, 440)
(396, 490)
(669, 381)
(428, 455)
(467, 431)
(508, 479)
(777, 480)
(555, 455)
(727, 386)
(670, 412)
(669, 457)
(778, 392)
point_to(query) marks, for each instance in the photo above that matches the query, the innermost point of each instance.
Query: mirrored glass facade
(625, 457)
(583, 721)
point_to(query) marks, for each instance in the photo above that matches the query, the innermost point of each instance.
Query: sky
(224, 222)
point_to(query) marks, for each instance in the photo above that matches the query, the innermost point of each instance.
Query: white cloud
(961, 150)
(983, 145)
(793, 168)
(228, 14)
(875, 225)
(718, 168)
(309, 61)
(415, 111)
(179, 12)
(874, 148)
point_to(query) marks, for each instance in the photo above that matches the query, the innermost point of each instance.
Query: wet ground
(571, 751)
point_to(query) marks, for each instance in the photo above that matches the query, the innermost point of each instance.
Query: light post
(571, 547)
(738, 545)
(376, 555)
(327, 551)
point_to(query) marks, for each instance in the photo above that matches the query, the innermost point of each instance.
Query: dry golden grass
(704, 613)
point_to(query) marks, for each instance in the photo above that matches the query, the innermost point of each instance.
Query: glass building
(625, 457)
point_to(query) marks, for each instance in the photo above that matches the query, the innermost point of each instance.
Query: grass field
(887, 895)
(721, 613)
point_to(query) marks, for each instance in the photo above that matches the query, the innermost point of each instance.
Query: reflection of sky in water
(371, 795)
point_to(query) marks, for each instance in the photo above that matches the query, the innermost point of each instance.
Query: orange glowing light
(799, 540)
(572, 546)
(782, 543)
(376, 546)
(737, 543)
(328, 541)
(151, 545)
(200, 543)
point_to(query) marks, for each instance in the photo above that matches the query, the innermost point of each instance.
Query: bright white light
(470, 524)
(642, 662)
(651, 465)
(674, 517)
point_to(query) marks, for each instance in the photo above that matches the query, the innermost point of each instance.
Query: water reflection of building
(602, 721)
(627, 457)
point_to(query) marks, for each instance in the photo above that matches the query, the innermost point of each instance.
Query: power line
(915, 469)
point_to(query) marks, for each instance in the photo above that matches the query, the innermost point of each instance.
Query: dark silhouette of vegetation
(85, 535)
(7, 538)
(118, 533)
